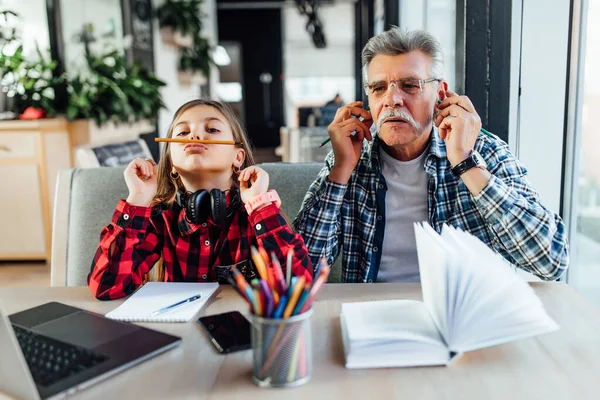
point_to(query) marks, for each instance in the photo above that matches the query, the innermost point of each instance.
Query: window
(584, 274)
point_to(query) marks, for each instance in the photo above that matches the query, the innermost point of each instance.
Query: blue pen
(280, 307)
(176, 305)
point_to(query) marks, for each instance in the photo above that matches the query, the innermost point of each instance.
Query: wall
(165, 67)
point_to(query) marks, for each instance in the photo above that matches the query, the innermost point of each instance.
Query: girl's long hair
(168, 187)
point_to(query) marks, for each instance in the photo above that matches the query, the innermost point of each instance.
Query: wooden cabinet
(31, 154)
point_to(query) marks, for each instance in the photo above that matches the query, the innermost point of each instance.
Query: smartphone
(229, 331)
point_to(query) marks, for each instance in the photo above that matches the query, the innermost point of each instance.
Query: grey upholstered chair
(86, 199)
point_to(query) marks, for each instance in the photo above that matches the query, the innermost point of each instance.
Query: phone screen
(229, 331)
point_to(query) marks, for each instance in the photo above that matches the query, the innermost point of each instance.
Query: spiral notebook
(154, 296)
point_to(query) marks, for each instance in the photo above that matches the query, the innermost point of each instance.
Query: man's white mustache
(398, 113)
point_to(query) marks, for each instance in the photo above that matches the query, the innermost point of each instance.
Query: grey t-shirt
(405, 203)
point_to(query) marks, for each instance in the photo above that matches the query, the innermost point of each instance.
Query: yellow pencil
(289, 309)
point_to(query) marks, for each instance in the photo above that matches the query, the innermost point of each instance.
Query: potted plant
(194, 64)
(179, 21)
(112, 101)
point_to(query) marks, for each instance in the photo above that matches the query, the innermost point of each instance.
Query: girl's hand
(140, 177)
(253, 181)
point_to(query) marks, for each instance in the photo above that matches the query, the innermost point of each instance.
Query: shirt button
(381, 186)
(125, 217)
(375, 249)
(204, 276)
(370, 281)
(258, 227)
(207, 243)
(204, 224)
(379, 217)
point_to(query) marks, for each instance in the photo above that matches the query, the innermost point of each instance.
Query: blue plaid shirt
(507, 215)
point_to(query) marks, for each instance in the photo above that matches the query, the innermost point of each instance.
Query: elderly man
(429, 161)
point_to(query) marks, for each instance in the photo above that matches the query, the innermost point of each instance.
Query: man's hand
(346, 145)
(459, 125)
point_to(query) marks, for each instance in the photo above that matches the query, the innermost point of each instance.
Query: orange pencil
(270, 279)
(294, 297)
(257, 298)
(259, 263)
(205, 141)
(263, 254)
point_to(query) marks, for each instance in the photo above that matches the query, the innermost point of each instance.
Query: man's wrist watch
(261, 199)
(474, 160)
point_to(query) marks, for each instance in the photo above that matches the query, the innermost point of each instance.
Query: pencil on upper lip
(201, 141)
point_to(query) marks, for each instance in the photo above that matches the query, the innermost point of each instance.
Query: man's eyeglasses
(408, 85)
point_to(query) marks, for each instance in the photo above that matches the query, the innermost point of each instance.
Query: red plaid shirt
(138, 236)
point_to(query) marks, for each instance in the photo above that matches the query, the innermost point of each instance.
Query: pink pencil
(316, 287)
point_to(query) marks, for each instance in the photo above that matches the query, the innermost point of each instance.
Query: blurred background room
(91, 83)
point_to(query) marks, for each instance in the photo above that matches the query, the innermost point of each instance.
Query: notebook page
(155, 295)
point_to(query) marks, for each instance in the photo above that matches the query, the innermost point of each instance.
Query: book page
(390, 319)
(433, 258)
(391, 333)
(496, 305)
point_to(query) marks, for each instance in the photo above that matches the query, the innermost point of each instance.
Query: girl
(200, 211)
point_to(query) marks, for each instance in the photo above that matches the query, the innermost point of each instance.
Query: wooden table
(561, 365)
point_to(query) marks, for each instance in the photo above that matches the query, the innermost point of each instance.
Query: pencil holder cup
(281, 350)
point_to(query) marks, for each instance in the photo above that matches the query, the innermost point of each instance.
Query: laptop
(55, 349)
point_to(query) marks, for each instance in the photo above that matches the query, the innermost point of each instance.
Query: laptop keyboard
(50, 360)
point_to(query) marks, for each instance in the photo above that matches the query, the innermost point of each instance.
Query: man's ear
(441, 91)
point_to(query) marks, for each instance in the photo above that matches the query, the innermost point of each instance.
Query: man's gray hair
(397, 41)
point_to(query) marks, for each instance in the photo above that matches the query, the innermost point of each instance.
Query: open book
(472, 298)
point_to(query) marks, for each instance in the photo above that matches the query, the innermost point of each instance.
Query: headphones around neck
(202, 203)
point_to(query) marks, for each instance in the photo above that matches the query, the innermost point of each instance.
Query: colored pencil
(201, 141)
(288, 272)
(294, 297)
(278, 274)
(259, 263)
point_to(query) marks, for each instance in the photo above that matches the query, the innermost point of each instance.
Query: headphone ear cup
(198, 206)
(218, 206)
